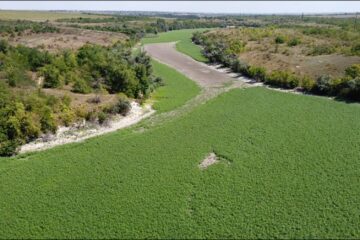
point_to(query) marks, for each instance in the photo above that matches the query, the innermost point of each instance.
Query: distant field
(177, 90)
(289, 169)
(184, 45)
(42, 15)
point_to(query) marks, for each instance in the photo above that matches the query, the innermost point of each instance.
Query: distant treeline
(19, 26)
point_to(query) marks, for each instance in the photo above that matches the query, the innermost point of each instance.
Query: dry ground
(201, 73)
(70, 38)
(261, 50)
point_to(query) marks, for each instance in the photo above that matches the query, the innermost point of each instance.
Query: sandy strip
(73, 134)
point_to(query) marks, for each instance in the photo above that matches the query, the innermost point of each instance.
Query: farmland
(184, 45)
(42, 15)
(285, 172)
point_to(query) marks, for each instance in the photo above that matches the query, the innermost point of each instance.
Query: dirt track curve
(201, 73)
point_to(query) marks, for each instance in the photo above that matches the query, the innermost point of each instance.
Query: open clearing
(67, 38)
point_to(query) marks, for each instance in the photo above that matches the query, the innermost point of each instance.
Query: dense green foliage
(19, 26)
(24, 116)
(176, 91)
(183, 39)
(285, 172)
(92, 68)
(216, 49)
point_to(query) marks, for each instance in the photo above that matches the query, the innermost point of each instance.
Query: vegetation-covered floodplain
(183, 39)
(177, 88)
(289, 168)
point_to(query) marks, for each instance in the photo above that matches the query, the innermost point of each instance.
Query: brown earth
(83, 100)
(67, 38)
(261, 50)
(201, 73)
(313, 66)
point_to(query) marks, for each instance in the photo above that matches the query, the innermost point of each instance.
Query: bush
(282, 79)
(293, 42)
(307, 84)
(356, 49)
(47, 121)
(52, 77)
(279, 39)
(323, 85)
(81, 86)
(322, 49)
(353, 71)
(102, 117)
(258, 73)
(122, 106)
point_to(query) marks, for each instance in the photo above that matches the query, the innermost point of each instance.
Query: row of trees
(220, 51)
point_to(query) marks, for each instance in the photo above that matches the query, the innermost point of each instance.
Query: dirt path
(201, 73)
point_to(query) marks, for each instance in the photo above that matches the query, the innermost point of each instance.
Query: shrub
(322, 49)
(353, 71)
(81, 86)
(356, 49)
(258, 73)
(279, 39)
(102, 117)
(52, 77)
(323, 84)
(122, 106)
(307, 83)
(47, 121)
(293, 42)
(282, 79)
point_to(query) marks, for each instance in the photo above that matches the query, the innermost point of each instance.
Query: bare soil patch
(201, 73)
(67, 38)
(208, 161)
(83, 100)
(81, 131)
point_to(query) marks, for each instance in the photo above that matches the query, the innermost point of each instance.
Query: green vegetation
(177, 89)
(18, 27)
(280, 155)
(219, 49)
(184, 44)
(92, 68)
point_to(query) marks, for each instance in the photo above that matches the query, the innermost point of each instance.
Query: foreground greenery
(183, 39)
(177, 90)
(26, 112)
(285, 172)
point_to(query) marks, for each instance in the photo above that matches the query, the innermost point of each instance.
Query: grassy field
(289, 169)
(41, 15)
(177, 90)
(184, 45)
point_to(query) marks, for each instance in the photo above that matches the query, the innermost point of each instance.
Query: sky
(188, 6)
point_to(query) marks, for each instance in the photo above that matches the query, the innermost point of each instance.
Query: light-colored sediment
(208, 161)
(84, 131)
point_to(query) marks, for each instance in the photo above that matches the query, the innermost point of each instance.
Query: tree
(52, 77)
